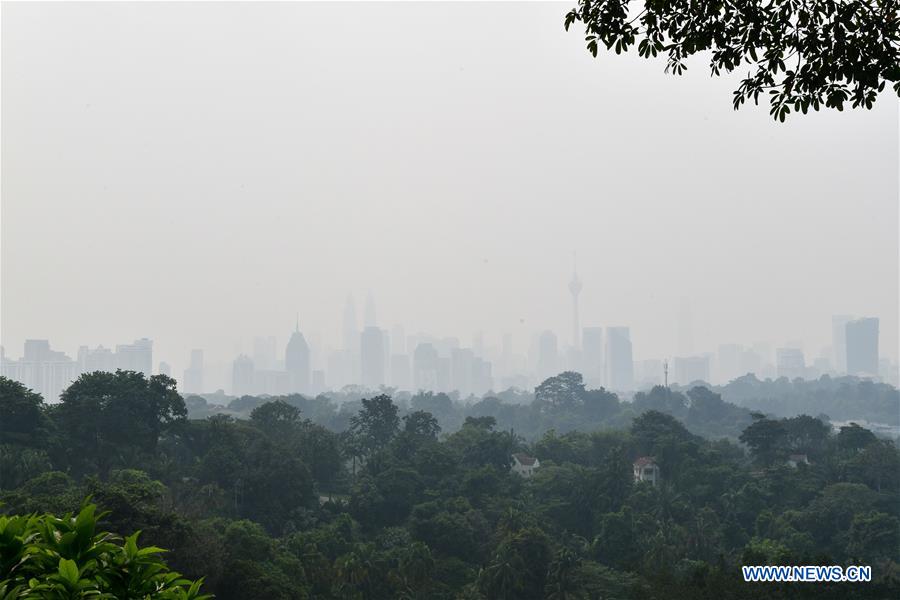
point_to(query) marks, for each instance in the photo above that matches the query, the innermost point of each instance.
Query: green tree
(766, 439)
(801, 54)
(24, 421)
(66, 557)
(106, 417)
(562, 392)
(376, 424)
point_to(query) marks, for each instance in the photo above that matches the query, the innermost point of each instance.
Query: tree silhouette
(804, 53)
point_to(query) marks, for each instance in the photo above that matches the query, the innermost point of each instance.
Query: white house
(525, 465)
(797, 459)
(646, 469)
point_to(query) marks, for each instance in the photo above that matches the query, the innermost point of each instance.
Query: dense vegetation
(377, 499)
(801, 54)
(723, 413)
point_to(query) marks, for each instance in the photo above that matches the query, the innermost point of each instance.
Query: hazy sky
(199, 173)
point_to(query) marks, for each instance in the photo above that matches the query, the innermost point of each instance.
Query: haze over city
(206, 191)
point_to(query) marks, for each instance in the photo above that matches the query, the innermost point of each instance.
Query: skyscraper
(575, 289)
(619, 361)
(425, 367)
(790, 362)
(98, 359)
(137, 356)
(165, 369)
(400, 371)
(193, 375)
(372, 357)
(461, 375)
(296, 362)
(592, 356)
(369, 319)
(839, 342)
(548, 356)
(41, 369)
(242, 376)
(862, 347)
(350, 367)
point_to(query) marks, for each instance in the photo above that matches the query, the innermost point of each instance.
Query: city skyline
(276, 188)
(374, 356)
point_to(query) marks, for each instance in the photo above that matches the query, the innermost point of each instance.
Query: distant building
(839, 342)
(165, 369)
(548, 356)
(646, 470)
(271, 382)
(524, 465)
(242, 376)
(592, 356)
(482, 376)
(790, 363)
(862, 347)
(41, 369)
(619, 361)
(689, 369)
(193, 375)
(372, 356)
(318, 382)
(296, 362)
(400, 371)
(425, 367)
(137, 356)
(98, 359)
(575, 287)
(461, 363)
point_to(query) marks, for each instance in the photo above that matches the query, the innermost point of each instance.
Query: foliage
(803, 54)
(376, 499)
(49, 557)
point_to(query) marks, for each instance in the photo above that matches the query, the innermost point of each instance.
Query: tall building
(619, 361)
(689, 369)
(839, 342)
(193, 375)
(400, 371)
(398, 340)
(861, 336)
(165, 369)
(350, 369)
(461, 376)
(548, 356)
(41, 369)
(592, 356)
(137, 356)
(425, 367)
(98, 359)
(369, 317)
(575, 289)
(790, 362)
(296, 362)
(482, 376)
(242, 375)
(372, 357)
